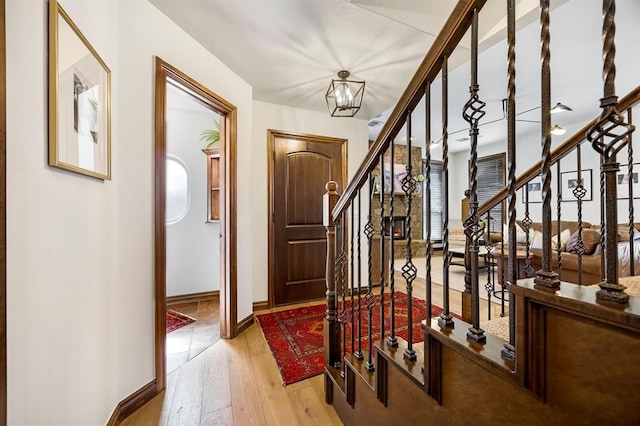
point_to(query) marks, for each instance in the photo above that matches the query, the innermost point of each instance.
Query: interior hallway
(236, 382)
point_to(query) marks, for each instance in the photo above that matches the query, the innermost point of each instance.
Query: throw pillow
(564, 237)
(623, 234)
(590, 238)
(535, 240)
(521, 236)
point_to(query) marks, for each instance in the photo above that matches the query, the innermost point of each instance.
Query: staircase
(568, 350)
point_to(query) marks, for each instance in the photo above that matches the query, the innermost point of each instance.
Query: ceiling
(289, 50)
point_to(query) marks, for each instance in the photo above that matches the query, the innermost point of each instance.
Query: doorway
(169, 82)
(299, 168)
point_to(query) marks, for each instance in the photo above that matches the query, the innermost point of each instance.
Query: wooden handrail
(630, 100)
(452, 32)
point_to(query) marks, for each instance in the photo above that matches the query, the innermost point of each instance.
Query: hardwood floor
(187, 342)
(236, 382)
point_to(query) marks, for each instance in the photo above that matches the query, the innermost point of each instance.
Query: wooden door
(301, 167)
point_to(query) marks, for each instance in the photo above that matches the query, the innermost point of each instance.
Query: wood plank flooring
(236, 382)
(187, 342)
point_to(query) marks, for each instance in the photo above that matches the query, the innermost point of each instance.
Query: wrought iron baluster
(409, 271)
(473, 112)
(503, 272)
(608, 136)
(508, 351)
(358, 353)
(526, 225)
(340, 263)
(427, 195)
(579, 192)
(392, 340)
(546, 277)
(488, 245)
(382, 232)
(352, 271)
(603, 260)
(559, 219)
(632, 266)
(445, 320)
(369, 298)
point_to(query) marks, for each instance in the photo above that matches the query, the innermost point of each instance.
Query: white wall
(193, 246)
(277, 117)
(80, 251)
(528, 149)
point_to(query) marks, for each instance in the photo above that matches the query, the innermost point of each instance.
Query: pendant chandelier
(344, 97)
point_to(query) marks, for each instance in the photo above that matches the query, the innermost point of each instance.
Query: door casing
(228, 204)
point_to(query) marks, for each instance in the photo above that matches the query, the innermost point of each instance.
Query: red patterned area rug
(295, 336)
(175, 320)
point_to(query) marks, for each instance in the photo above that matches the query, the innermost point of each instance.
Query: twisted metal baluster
(445, 320)
(503, 274)
(369, 298)
(602, 233)
(382, 229)
(559, 220)
(546, 277)
(472, 112)
(409, 271)
(488, 245)
(508, 351)
(427, 194)
(358, 353)
(352, 270)
(526, 225)
(392, 340)
(632, 263)
(340, 263)
(579, 193)
(608, 136)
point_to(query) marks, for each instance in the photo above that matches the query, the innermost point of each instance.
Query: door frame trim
(228, 201)
(271, 137)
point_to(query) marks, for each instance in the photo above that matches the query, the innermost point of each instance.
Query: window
(178, 191)
(491, 179)
(437, 191)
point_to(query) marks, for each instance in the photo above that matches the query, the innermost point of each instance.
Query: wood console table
(501, 259)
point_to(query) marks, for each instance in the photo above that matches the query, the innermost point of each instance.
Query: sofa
(591, 260)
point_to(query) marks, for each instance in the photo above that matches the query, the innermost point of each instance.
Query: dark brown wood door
(301, 169)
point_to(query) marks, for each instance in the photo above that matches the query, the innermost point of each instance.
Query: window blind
(491, 179)
(435, 208)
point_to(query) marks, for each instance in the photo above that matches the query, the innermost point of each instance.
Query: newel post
(331, 324)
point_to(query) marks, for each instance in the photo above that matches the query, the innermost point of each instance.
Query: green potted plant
(211, 136)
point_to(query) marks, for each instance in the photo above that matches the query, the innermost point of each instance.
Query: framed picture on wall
(394, 178)
(570, 183)
(535, 191)
(623, 182)
(79, 100)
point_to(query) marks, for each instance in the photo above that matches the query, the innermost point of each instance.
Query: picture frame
(395, 178)
(622, 181)
(79, 100)
(535, 190)
(570, 181)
